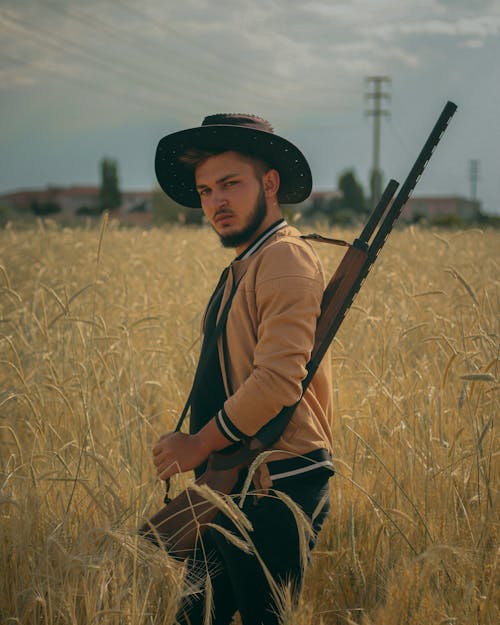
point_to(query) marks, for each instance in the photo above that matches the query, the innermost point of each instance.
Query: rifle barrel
(273, 429)
(412, 178)
(379, 210)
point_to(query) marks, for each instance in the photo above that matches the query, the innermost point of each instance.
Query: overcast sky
(83, 80)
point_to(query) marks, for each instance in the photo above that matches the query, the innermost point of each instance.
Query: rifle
(180, 523)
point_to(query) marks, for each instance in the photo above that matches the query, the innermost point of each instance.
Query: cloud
(398, 20)
(478, 26)
(199, 54)
(477, 6)
(473, 43)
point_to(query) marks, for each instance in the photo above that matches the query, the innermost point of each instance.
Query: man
(238, 171)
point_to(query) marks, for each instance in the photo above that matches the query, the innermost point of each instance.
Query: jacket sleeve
(288, 290)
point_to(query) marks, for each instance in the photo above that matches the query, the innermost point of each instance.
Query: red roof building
(435, 206)
(71, 199)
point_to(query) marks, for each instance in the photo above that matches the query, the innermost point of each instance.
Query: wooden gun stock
(180, 523)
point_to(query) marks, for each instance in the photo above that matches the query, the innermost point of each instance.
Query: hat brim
(178, 181)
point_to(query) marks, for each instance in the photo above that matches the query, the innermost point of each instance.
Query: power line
(129, 70)
(103, 89)
(196, 88)
(222, 69)
(227, 60)
(114, 67)
(191, 79)
(397, 133)
(224, 64)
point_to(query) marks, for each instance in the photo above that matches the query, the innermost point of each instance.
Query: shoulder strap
(207, 353)
(321, 239)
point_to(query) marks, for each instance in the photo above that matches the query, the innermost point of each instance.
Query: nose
(217, 201)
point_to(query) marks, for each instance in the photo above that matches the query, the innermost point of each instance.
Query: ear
(271, 182)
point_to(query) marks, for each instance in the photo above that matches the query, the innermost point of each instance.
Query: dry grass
(97, 349)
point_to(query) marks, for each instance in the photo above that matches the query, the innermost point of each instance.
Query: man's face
(232, 197)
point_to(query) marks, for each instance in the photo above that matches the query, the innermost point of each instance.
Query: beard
(254, 222)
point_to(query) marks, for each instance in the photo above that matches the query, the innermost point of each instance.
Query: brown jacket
(267, 344)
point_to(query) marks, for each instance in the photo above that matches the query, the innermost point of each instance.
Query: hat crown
(238, 119)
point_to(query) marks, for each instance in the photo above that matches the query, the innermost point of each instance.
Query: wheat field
(99, 336)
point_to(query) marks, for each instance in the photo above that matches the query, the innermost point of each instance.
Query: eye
(230, 183)
(203, 192)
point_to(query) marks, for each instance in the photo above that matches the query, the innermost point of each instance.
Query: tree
(6, 214)
(353, 197)
(41, 209)
(110, 196)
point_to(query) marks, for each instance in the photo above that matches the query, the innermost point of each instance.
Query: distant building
(136, 205)
(436, 206)
(319, 201)
(75, 198)
(69, 199)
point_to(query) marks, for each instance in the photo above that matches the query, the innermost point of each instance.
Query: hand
(178, 452)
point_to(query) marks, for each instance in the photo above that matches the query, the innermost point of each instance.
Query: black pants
(237, 578)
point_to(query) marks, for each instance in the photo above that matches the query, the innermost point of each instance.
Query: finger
(160, 466)
(161, 440)
(168, 471)
(160, 460)
(159, 447)
(170, 467)
(165, 462)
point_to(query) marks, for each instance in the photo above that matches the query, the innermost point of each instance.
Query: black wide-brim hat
(246, 134)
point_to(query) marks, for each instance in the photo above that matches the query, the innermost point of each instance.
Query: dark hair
(193, 157)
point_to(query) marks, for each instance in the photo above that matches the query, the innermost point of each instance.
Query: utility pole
(473, 177)
(377, 97)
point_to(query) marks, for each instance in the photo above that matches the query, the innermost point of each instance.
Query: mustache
(223, 211)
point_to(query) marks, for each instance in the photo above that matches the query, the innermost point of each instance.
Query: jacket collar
(253, 247)
(240, 264)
